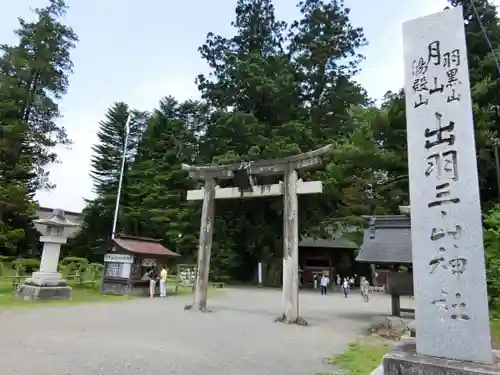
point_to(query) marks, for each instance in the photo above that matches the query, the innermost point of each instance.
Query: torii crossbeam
(243, 174)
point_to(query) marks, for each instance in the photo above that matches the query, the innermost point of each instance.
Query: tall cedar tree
(33, 74)
(276, 90)
(156, 205)
(368, 173)
(485, 86)
(325, 47)
(105, 172)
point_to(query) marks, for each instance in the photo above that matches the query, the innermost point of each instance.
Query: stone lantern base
(44, 286)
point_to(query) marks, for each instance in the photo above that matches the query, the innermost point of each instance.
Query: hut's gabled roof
(141, 245)
(387, 240)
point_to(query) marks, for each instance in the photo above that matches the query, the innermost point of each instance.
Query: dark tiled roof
(333, 243)
(387, 240)
(141, 246)
(336, 240)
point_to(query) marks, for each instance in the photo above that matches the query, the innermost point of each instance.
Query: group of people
(153, 277)
(346, 284)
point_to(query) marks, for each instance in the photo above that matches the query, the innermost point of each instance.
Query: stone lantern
(47, 283)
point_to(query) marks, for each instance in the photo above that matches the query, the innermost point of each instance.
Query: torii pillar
(290, 291)
(242, 174)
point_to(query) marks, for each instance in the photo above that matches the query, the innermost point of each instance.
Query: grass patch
(82, 293)
(79, 295)
(360, 358)
(495, 333)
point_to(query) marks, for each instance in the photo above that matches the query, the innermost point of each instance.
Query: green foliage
(107, 159)
(485, 88)
(492, 256)
(274, 90)
(155, 203)
(278, 91)
(25, 265)
(5, 264)
(93, 271)
(33, 75)
(106, 163)
(73, 266)
(81, 262)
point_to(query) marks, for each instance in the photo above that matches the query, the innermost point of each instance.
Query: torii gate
(242, 174)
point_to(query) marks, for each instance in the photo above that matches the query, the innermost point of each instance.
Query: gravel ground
(159, 337)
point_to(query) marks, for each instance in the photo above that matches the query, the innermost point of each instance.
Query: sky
(138, 53)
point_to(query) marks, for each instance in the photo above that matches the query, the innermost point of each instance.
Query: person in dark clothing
(153, 277)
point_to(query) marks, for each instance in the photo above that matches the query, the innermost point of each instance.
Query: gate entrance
(243, 175)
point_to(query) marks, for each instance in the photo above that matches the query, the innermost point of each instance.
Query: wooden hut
(387, 244)
(127, 263)
(333, 255)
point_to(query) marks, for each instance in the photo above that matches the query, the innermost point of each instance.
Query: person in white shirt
(365, 289)
(345, 287)
(324, 283)
(163, 282)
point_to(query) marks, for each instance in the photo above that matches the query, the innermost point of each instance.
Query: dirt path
(159, 337)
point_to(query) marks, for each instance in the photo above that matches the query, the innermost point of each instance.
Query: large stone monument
(452, 320)
(47, 283)
(243, 176)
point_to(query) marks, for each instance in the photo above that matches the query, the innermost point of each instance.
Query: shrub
(73, 266)
(80, 263)
(93, 271)
(221, 278)
(26, 265)
(97, 266)
(5, 264)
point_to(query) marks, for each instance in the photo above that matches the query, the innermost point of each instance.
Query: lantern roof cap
(57, 219)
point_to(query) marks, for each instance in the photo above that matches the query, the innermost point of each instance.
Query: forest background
(275, 89)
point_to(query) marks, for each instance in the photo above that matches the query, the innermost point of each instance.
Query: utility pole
(122, 169)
